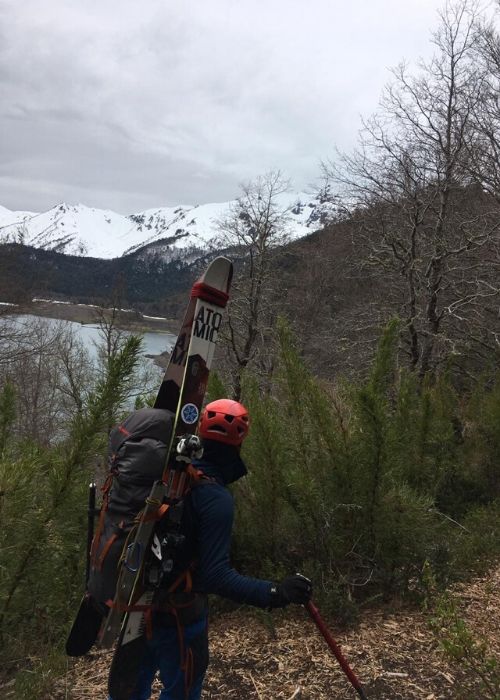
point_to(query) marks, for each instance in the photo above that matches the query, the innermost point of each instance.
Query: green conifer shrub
(360, 485)
(43, 525)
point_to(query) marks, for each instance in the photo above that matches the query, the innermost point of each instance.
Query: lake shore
(127, 319)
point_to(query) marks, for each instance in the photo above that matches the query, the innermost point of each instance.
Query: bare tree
(254, 228)
(50, 373)
(110, 321)
(428, 228)
(76, 372)
(484, 153)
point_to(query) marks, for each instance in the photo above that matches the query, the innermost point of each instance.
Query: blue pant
(164, 655)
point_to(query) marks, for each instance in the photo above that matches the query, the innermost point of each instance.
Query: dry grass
(394, 653)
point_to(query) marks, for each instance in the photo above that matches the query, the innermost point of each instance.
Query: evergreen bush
(363, 486)
(43, 524)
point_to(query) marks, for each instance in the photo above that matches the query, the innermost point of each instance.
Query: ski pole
(91, 512)
(314, 613)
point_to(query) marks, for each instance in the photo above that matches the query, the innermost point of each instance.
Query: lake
(154, 343)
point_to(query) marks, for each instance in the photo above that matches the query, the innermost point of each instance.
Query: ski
(195, 354)
(131, 566)
(202, 319)
(85, 628)
(89, 617)
(206, 319)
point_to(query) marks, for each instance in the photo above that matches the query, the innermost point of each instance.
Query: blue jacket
(214, 513)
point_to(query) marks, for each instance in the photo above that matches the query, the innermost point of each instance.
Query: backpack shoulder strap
(197, 478)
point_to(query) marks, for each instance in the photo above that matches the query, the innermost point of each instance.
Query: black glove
(293, 589)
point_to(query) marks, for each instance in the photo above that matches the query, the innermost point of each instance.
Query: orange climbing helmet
(225, 421)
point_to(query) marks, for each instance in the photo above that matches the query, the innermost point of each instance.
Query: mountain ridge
(173, 232)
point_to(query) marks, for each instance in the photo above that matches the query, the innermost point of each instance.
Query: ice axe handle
(91, 513)
(314, 613)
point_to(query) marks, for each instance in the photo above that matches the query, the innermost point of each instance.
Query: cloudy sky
(126, 105)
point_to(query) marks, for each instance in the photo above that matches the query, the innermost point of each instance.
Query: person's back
(178, 647)
(214, 508)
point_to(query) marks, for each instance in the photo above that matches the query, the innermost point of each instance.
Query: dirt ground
(394, 654)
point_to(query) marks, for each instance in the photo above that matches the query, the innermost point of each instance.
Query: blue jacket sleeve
(214, 509)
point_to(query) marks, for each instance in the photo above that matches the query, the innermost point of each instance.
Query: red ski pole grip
(314, 613)
(210, 294)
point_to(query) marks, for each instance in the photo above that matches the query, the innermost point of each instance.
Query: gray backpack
(137, 458)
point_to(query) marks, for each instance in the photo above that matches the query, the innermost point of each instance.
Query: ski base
(85, 629)
(125, 668)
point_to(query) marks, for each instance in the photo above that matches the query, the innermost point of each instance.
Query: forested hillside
(149, 285)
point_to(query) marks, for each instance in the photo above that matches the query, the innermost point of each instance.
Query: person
(178, 645)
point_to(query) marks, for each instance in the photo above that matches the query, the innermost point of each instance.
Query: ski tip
(219, 274)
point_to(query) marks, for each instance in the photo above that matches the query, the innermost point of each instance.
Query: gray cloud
(127, 105)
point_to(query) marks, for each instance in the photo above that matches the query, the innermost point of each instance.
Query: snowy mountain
(171, 232)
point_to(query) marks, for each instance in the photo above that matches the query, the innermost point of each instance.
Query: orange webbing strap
(193, 474)
(100, 525)
(156, 515)
(105, 551)
(146, 609)
(185, 654)
(185, 576)
(189, 672)
(162, 510)
(189, 582)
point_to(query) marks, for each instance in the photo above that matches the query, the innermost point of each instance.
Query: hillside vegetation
(368, 356)
(385, 490)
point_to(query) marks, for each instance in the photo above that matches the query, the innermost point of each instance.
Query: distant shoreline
(127, 319)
